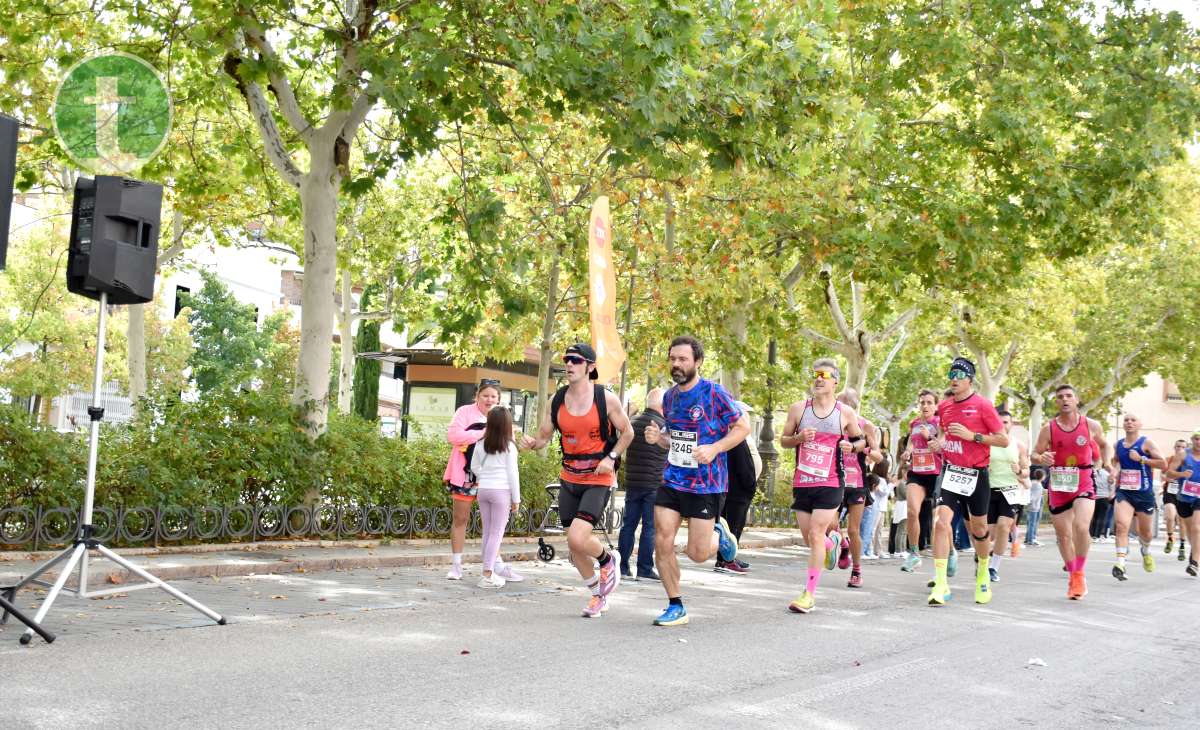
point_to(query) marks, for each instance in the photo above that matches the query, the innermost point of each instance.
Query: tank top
(819, 462)
(1072, 457)
(924, 459)
(1000, 472)
(854, 466)
(1134, 476)
(1189, 487)
(581, 435)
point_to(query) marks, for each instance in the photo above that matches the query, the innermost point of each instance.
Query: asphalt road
(405, 648)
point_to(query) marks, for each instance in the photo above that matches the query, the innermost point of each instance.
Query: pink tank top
(1072, 456)
(852, 464)
(819, 462)
(924, 459)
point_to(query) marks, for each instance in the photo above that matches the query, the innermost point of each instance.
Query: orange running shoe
(1016, 548)
(1076, 586)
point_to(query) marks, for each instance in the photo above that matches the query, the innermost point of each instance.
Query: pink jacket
(460, 438)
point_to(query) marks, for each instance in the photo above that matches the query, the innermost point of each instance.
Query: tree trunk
(136, 352)
(345, 333)
(858, 360)
(547, 345)
(318, 201)
(737, 326)
(1036, 414)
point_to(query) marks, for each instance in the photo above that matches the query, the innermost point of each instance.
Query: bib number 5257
(960, 480)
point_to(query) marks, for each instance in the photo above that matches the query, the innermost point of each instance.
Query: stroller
(552, 523)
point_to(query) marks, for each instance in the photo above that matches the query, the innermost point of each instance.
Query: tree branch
(835, 307)
(821, 339)
(280, 86)
(899, 323)
(267, 128)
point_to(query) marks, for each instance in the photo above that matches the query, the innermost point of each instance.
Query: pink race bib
(1191, 489)
(815, 459)
(1130, 480)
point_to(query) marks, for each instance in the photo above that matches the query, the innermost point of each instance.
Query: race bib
(683, 449)
(1173, 487)
(1130, 480)
(1012, 495)
(1018, 496)
(1064, 479)
(924, 462)
(816, 459)
(1190, 489)
(960, 480)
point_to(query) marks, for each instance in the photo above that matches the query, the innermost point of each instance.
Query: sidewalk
(201, 561)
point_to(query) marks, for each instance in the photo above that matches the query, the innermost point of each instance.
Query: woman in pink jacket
(465, 429)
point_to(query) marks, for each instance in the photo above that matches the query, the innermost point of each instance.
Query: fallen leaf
(464, 652)
(279, 597)
(115, 579)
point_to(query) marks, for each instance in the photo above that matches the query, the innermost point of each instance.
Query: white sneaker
(491, 581)
(455, 573)
(509, 575)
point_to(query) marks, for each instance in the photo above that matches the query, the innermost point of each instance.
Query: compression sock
(814, 577)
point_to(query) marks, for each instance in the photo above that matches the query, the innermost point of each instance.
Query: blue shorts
(1143, 502)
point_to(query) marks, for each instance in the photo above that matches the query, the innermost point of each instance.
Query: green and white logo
(112, 113)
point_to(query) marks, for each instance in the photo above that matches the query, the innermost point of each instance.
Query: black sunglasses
(574, 360)
(488, 381)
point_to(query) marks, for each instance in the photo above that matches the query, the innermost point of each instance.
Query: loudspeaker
(114, 239)
(8, 172)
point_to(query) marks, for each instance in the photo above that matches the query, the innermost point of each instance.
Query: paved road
(405, 648)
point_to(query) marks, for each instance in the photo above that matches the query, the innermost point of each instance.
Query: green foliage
(38, 467)
(230, 347)
(366, 372)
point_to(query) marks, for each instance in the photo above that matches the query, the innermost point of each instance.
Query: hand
(907, 455)
(653, 433)
(1016, 468)
(936, 446)
(961, 431)
(1136, 457)
(605, 466)
(704, 454)
(1047, 458)
(528, 442)
(846, 446)
(807, 434)
(513, 507)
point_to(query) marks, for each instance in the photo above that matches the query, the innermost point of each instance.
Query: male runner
(703, 423)
(1170, 493)
(924, 465)
(815, 429)
(855, 465)
(1068, 444)
(587, 475)
(1007, 472)
(1186, 467)
(970, 426)
(1135, 460)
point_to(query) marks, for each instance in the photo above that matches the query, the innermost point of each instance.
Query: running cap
(965, 365)
(584, 350)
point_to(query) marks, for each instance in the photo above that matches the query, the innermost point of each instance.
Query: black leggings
(736, 505)
(1100, 517)
(892, 533)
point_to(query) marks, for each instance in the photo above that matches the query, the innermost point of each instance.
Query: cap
(584, 350)
(962, 363)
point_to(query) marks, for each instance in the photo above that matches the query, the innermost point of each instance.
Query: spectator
(744, 467)
(1104, 497)
(1037, 493)
(644, 465)
(498, 485)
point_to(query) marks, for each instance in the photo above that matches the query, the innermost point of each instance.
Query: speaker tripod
(77, 553)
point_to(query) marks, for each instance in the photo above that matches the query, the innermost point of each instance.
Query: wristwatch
(613, 455)
(978, 438)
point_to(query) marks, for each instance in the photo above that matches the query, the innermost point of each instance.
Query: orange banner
(610, 355)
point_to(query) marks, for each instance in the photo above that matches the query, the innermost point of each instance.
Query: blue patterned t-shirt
(700, 416)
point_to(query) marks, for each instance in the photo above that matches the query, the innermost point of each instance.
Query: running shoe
(1076, 586)
(844, 555)
(855, 580)
(672, 616)
(596, 605)
(832, 540)
(455, 573)
(940, 595)
(1191, 569)
(1181, 550)
(911, 563)
(744, 565)
(610, 575)
(952, 564)
(727, 546)
(804, 603)
(1170, 545)
(983, 593)
(993, 575)
(1119, 573)
(508, 574)
(491, 581)
(1148, 562)
(732, 567)
(721, 567)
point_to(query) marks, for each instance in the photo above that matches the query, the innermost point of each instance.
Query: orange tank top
(581, 435)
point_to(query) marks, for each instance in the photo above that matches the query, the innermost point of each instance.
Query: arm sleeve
(514, 474)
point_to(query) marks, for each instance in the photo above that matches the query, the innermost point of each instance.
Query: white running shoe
(491, 581)
(455, 573)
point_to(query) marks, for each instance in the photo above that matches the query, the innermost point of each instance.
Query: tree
(366, 372)
(230, 347)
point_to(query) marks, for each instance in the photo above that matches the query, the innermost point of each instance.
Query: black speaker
(114, 239)
(8, 172)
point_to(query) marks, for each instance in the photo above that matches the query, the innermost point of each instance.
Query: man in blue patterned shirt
(702, 424)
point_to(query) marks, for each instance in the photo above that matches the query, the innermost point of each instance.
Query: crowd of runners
(958, 460)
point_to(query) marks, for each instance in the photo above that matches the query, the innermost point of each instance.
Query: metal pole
(96, 413)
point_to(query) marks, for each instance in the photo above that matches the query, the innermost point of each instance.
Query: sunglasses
(488, 381)
(959, 375)
(824, 375)
(574, 360)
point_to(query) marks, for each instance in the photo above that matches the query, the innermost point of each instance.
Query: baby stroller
(552, 524)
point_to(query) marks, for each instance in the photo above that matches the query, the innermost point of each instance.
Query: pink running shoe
(844, 556)
(855, 580)
(596, 606)
(610, 575)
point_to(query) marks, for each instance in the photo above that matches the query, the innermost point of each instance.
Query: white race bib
(1064, 479)
(683, 449)
(1130, 479)
(1173, 487)
(1012, 495)
(960, 480)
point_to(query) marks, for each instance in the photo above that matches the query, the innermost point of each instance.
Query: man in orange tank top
(588, 473)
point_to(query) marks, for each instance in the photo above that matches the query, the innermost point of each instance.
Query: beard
(681, 376)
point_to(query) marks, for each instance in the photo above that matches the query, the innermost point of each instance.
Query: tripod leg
(33, 626)
(161, 584)
(76, 552)
(41, 569)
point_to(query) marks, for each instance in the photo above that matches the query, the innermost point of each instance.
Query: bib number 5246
(683, 449)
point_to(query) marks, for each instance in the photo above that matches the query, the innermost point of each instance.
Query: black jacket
(741, 470)
(644, 463)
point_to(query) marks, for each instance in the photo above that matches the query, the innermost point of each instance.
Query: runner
(1186, 467)
(924, 465)
(1135, 460)
(1068, 444)
(969, 427)
(703, 423)
(1007, 473)
(586, 415)
(819, 481)
(1170, 492)
(857, 497)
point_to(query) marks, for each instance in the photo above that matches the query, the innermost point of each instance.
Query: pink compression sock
(814, 577)
(1080, 562)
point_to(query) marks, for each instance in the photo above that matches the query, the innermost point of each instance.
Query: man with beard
(703, 423)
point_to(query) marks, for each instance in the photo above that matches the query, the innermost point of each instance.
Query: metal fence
(39, 528)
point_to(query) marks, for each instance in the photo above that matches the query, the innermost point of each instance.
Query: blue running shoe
(952, 564)
(672, 616)
(832, 541)
(727, 546)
